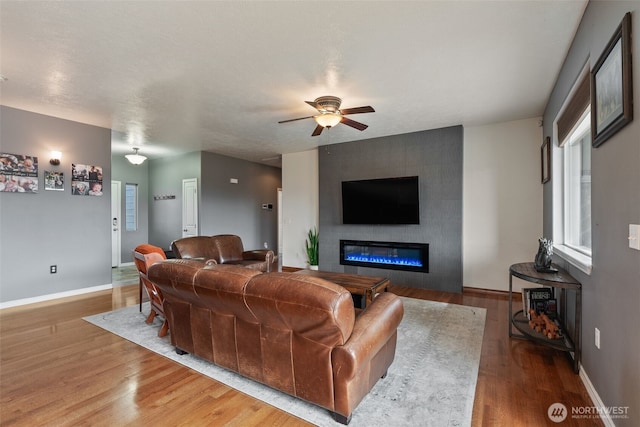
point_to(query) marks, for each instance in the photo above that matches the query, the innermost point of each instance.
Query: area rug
(431, 382)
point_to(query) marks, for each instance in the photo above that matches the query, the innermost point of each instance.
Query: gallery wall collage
(19, 174)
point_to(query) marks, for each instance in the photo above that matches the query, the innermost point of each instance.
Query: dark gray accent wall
(611, 294)
(54, 227)
(237, 208)
(435, 156)
(225, 208)
(126, 173)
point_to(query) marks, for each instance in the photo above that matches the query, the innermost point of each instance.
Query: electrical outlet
(53, 269)
(597, 338)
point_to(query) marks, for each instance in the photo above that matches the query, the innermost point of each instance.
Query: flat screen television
(381, 201)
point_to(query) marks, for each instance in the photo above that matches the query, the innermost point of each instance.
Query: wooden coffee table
(366, 287)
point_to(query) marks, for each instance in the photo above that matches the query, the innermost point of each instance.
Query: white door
(115, 223)
(189, 207)
(280, 223)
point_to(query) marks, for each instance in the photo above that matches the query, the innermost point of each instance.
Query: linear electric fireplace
(389, 255)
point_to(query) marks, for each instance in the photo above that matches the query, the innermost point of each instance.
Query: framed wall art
(611, 86)
(18, 173)
(86, 180)
(53, 180)
(545, 160)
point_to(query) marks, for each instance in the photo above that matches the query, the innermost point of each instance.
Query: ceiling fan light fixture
(136, 158)
(328, 120)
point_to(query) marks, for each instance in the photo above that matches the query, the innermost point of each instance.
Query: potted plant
(311, 246)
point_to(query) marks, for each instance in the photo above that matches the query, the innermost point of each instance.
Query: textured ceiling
(174, 77)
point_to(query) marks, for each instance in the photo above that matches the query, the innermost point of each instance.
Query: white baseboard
(42, 298)
(126, 264)
(595, 397)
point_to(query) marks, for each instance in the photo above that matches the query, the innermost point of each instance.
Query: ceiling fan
(330, 114)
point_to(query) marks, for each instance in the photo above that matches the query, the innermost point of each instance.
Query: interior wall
(126, 173)
(165, 179)
(300, 201)
(54, 227)
(224, 208)
(611, 293)
(502, 214)
(435, 156)
(236, 208)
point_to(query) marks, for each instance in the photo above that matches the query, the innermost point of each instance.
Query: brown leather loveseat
(224, 249)
(295, 333)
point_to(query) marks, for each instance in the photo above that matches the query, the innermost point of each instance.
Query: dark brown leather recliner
(224, 249)
(295, 333)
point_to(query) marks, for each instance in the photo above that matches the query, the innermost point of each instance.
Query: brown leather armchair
(144, 257)
(224, 249)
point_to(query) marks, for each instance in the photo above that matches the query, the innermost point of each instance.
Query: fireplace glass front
(389, 255)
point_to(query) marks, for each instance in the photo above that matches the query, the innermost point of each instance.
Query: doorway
(189, 207)
(115, 223)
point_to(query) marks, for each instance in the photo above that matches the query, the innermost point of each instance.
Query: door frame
(116, 238)
(195, 209)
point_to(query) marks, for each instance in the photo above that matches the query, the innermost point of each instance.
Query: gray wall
(54, 227)
(611, 294)
(126, 173)
(225, 208)
(435, 156)
(165, 178)
(237, 208)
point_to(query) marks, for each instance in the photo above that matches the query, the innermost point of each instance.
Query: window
(131, 207)
(572, 189)
(577, 187)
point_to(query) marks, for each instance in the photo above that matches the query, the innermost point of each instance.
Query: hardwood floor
(57, 369)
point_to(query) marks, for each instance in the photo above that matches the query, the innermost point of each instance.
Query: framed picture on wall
(611, 86)
(86, 180)
(545, 160)
(53, 181)
(18, 173)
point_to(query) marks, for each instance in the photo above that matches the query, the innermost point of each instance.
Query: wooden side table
(561, 280)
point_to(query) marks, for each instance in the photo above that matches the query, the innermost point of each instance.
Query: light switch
(634, 236)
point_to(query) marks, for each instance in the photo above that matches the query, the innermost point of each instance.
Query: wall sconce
(55, 158)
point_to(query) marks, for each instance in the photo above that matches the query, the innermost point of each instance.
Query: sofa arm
(372, 330)
(259, 255)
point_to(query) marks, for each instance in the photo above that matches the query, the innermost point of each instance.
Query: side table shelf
(562, 281)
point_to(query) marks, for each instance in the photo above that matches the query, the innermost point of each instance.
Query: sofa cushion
(229, 248)
(195, 247)
(316, 309)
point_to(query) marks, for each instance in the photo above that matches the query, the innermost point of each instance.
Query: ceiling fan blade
(358, 110)
(317, 131)
(293, 120)
(313, 104)
(353, 124)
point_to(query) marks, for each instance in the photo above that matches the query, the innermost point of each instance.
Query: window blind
(576, 106)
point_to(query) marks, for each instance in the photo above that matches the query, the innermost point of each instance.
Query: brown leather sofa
(295, 333)
(224, 249)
